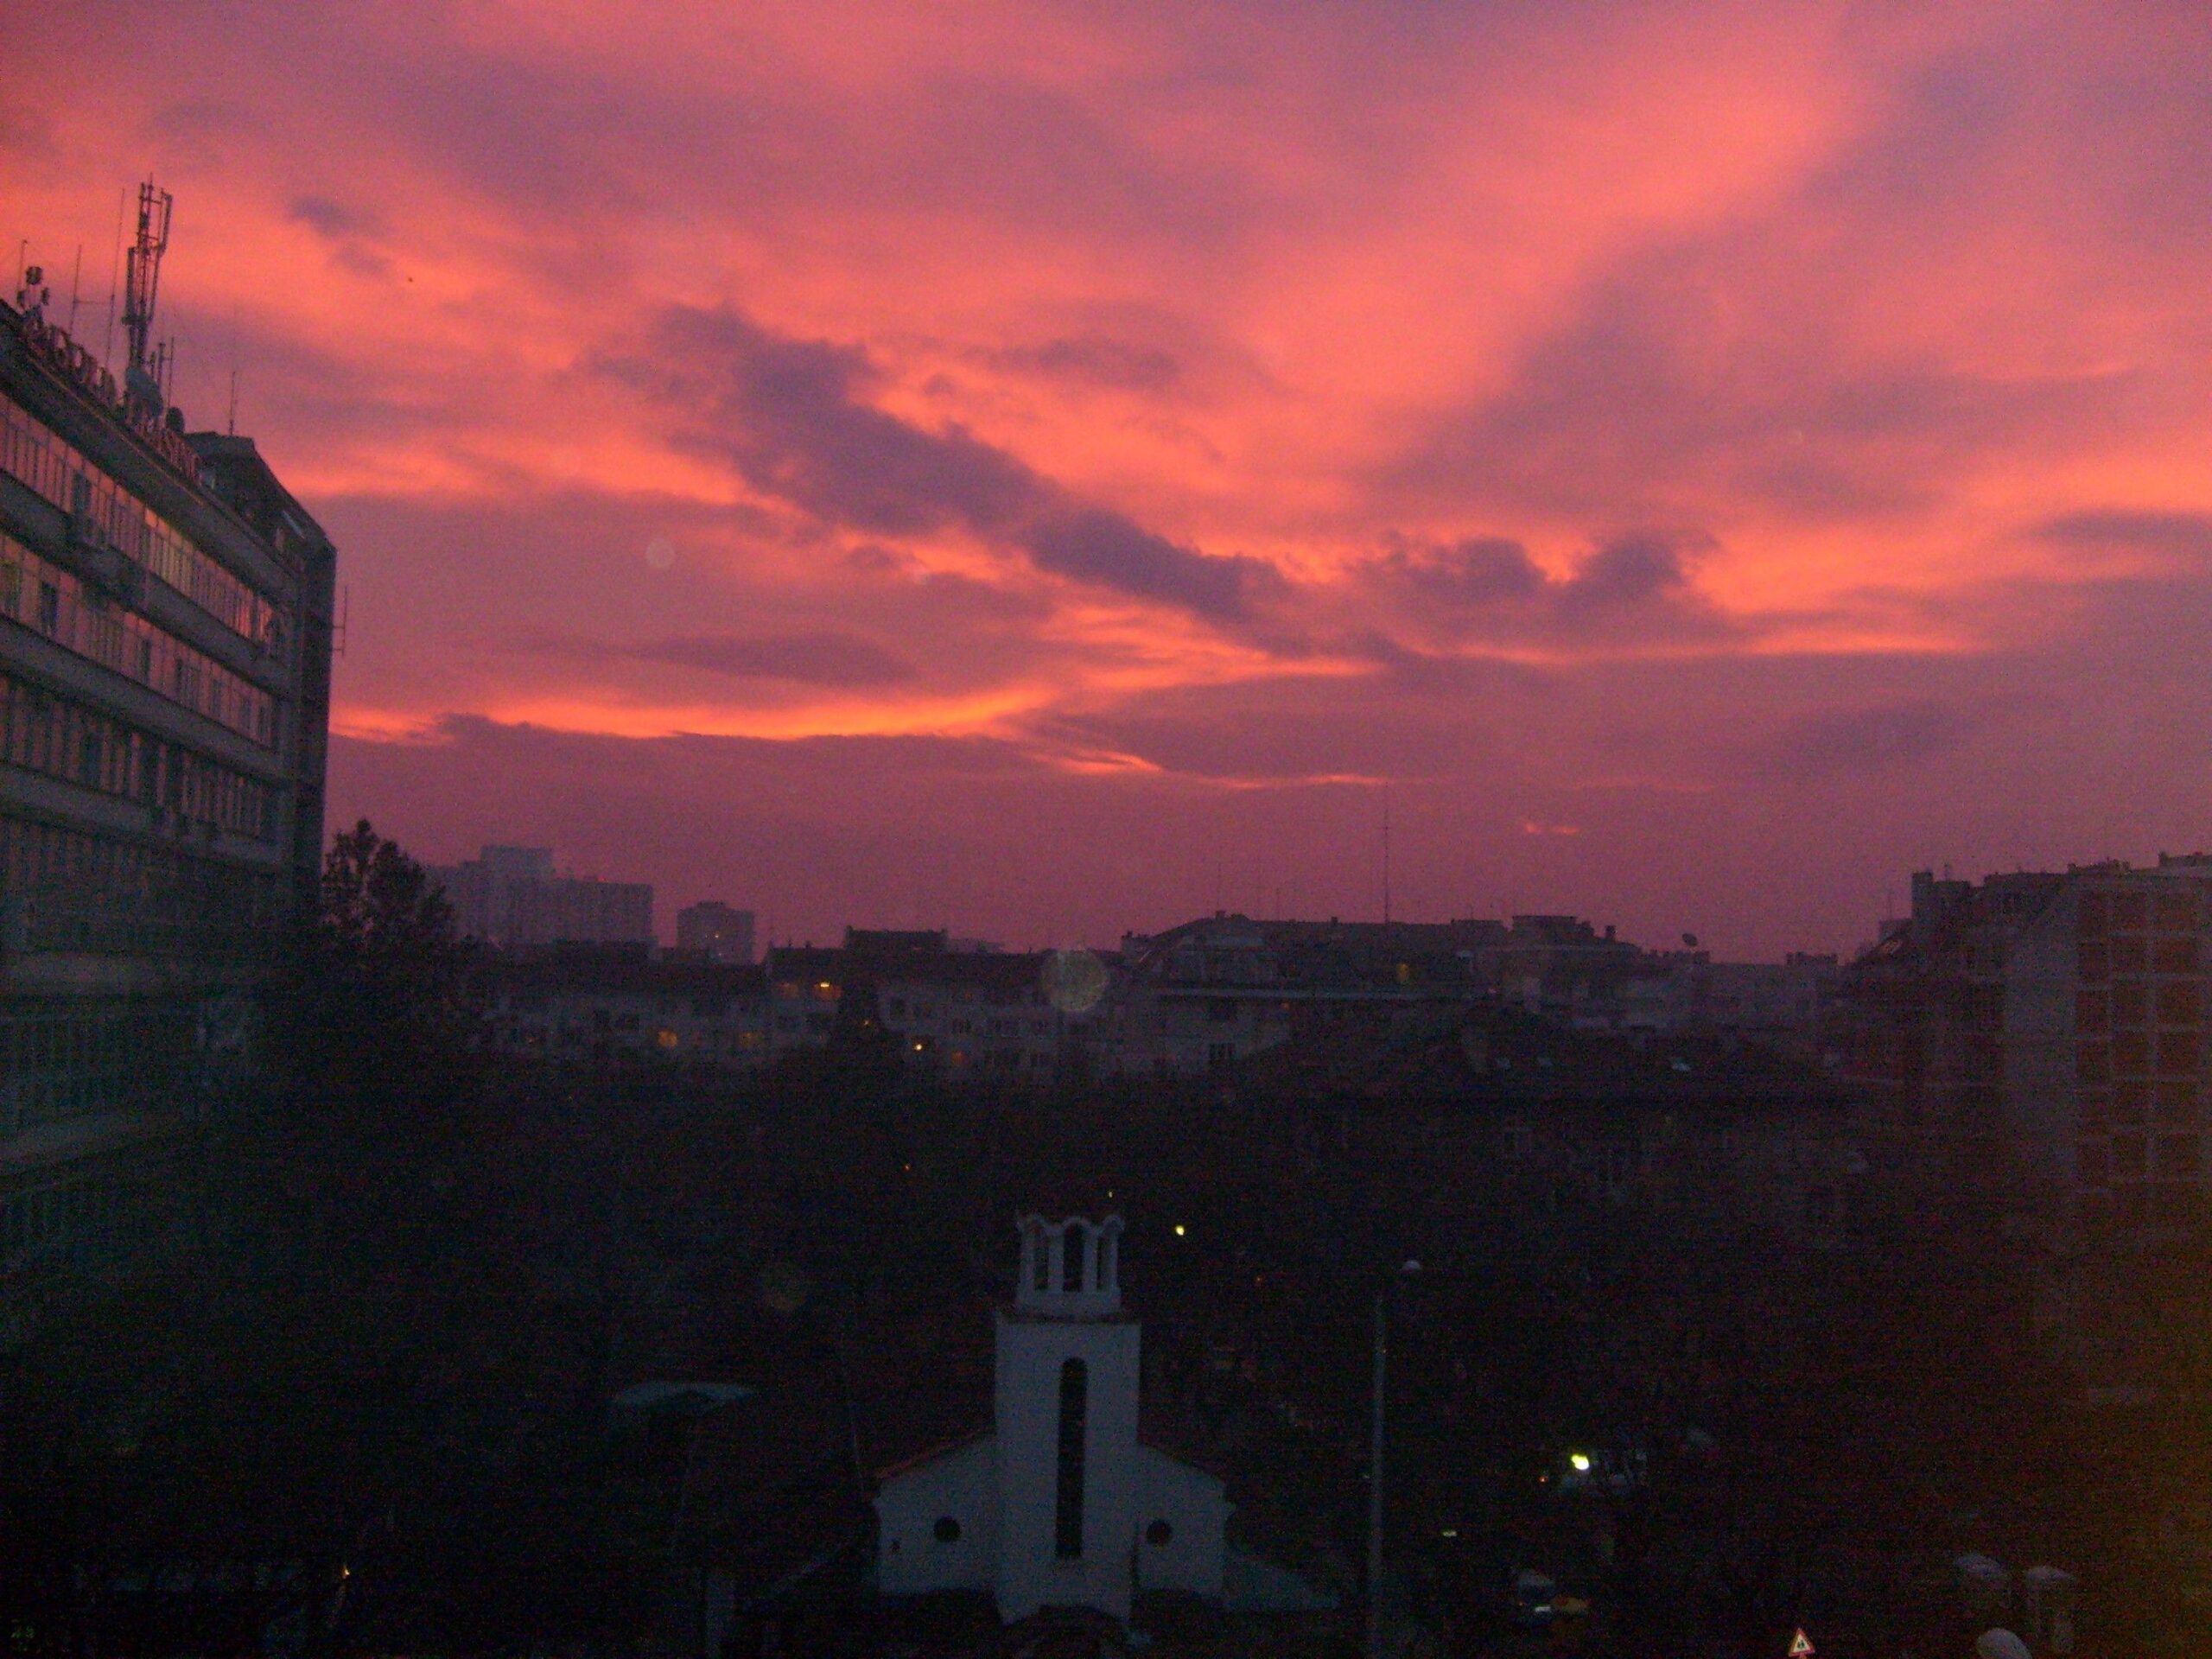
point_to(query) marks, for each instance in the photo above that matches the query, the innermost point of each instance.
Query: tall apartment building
(513, 898)
(2038, 1043)
(715, 931)
(165, 639)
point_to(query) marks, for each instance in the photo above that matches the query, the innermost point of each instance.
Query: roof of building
(235, 473)
(614, 971)
(1502, 1058)
(1007, 970)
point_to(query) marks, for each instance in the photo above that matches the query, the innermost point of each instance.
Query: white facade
(1059, 1505)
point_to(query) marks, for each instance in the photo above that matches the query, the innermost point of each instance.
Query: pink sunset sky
(1055, 469)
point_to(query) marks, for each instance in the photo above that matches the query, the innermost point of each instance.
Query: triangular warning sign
(1801, 1646)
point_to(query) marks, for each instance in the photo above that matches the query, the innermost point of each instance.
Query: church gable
(1181, 1515)
(938, 1523)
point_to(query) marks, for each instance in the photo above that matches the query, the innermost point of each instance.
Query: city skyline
(1054, 472)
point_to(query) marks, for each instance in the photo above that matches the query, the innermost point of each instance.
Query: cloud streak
(1768, 439)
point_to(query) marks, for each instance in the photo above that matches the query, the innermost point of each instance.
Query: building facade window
(57, 737)
(96, 893)
(56, 469)
(42, 595)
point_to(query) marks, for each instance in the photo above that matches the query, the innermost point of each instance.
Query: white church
(1060, 1505)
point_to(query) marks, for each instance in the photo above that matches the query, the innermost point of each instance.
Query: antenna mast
(1386, 854)
(143, 278)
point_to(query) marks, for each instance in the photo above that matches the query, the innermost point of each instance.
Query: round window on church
(1157, 1534)
(947, 1530)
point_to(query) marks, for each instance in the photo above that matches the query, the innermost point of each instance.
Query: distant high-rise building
(2039, 1040)
(714, 928)
(513, 898)
(165, 642)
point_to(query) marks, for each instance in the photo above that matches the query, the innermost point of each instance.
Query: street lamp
(1375, 1461)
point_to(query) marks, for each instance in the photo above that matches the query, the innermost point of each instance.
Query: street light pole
(1375, 1461)
(1375, 1481)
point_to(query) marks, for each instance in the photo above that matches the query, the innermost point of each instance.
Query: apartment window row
(2129, 1158)
(120, 1037)
(75, 889)
(2175, 1054)
(2134, 1004)
(40, 595)
(61, 473)
(53, 735)
(74, 1221)
(2098, 960)
(2100, 913)
(2134, 1100)
(32, 1103)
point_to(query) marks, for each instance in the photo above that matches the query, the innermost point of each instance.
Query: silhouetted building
(1204, 995)
(513, 898)
(615, 1003)
(715, 931)
(957, 1013)
(165, 640)
(1727, 1138)
(2036, 1044)
(1212, 992)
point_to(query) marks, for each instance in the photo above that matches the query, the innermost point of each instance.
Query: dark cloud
(1838, 741)
(1094, 545)
(791, 417)
(824, 659)
(1628, 590)
(2185, 535)
(1631, 572)
(333, 217)
(1476, 574)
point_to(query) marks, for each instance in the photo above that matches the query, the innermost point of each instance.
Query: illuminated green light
(1581, 1462)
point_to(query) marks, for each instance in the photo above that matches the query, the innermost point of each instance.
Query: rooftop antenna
(233, 426)
(76, 277)
(141, 286)
(1386, 854)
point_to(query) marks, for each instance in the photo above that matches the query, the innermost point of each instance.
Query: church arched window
(1075, 1406)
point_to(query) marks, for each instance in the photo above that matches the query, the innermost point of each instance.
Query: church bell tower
(1066, 1420)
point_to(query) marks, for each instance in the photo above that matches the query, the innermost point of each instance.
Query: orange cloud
(1762, 403)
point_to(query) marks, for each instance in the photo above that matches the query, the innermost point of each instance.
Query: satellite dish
(1690, 940)
(1074, 981)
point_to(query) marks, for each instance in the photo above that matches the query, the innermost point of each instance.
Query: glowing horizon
(1052, 469)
